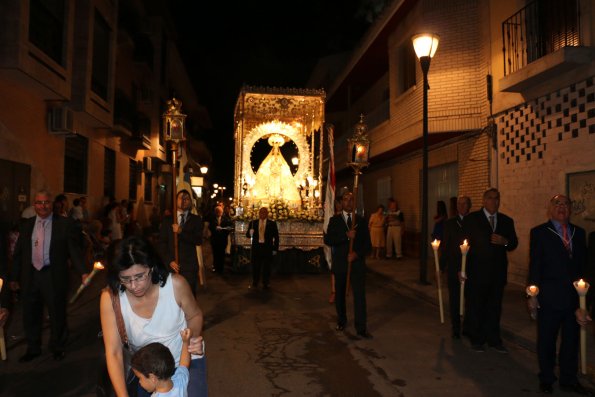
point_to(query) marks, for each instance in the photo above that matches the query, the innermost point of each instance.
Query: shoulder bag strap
(119, 318)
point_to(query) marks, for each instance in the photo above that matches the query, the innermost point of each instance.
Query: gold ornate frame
(295, 113)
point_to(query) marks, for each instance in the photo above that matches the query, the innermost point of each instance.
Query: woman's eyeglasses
(135, 279)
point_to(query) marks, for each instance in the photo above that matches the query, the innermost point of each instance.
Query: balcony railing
(538, 29)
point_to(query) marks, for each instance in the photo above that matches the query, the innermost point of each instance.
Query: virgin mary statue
(274, 178)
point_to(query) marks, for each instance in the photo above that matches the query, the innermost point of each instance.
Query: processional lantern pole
(358, 153)
(173, 128)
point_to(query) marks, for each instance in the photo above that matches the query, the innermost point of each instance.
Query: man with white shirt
(348, 235)
(491, 235)
(40, 270)
(189, 228)
(265, 244)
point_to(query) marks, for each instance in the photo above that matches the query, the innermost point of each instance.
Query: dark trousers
(192, 278)
(218, 244)
(262, 259)
(484, 307)
(39, 292)
(549, 323)
(454, 301)
(358, 289)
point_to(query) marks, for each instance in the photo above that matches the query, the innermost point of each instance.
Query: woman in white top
(156, 305)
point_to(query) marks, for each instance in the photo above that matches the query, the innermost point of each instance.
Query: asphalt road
(282, 342)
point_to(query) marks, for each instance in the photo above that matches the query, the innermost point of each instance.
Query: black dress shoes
(58, 355)
(576, 388)
(28, 357)
(546, 388)
(364, 335)
(340, 327)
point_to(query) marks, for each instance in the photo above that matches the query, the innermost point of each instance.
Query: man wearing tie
(342, 229)
(45, 244)
(451, 260)
(189, 230)
(265, 244)
(557, 259)
(491, 235)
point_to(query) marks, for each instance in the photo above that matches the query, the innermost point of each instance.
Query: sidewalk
(516, 325)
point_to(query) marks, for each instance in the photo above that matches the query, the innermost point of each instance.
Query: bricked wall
(540, 142)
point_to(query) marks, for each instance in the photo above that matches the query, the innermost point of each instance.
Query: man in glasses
(557, 259)
(46, 243)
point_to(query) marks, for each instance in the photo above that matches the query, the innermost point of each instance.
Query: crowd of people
(152, 322)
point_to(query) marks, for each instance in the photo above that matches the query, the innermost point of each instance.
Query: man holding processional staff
(454, 236)
(347, 230)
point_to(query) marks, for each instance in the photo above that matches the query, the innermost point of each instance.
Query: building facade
(84, 85)
(510, 105)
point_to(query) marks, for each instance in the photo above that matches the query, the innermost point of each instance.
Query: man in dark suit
(491, 235)
(451, 260)
(41, 271)
(338, 235)
(557, 259)
(219, 226)
(265, 244)
(189, 229)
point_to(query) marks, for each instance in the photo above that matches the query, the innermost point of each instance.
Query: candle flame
(98, 266)
(465, 242)
(581, 283)
(533, 288)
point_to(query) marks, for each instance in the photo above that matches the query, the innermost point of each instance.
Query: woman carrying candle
(557, 259)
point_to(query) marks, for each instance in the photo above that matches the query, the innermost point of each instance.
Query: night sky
(228, 44)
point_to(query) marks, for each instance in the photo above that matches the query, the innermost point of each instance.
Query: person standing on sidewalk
(338, 235)
(451, 260)
(491, 235)
(557, 259)
(395, 228)
(41, 270)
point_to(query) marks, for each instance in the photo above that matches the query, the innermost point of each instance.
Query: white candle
(96, 268)
(464, 250)
(582, 287)
(435, 246)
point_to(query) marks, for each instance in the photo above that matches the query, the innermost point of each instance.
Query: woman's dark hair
(133, 250)
(441, 210)
(380, 206)
(155, 359)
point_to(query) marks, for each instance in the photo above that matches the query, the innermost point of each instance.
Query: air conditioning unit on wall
(61, 121)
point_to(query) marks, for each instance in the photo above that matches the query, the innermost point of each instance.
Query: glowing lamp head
(425, 44)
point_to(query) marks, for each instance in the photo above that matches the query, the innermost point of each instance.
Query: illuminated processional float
(279, 142)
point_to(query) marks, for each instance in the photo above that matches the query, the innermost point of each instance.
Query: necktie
(492, 222)
(349, 220)
(38, 246)
(565, 238)
(261, 225)
(182, 219)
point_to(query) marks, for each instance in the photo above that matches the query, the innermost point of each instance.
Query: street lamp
(173, 127)
(204, 169)
(425, 46)
(358, 153)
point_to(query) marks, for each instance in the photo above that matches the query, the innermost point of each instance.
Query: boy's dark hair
(155, 359)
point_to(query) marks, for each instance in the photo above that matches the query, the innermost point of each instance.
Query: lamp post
(173, 127)
(358, 152)
(425, 46)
